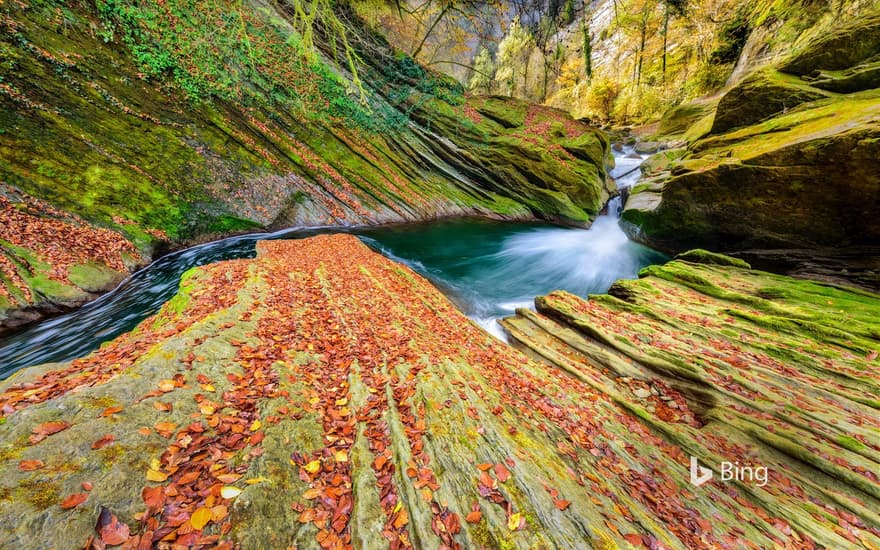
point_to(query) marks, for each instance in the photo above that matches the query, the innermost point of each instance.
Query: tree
(513, 55)
(484, 72)
(670, 7)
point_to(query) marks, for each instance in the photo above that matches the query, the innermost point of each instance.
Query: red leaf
(502, 473)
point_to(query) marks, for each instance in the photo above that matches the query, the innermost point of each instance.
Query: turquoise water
(487, 268)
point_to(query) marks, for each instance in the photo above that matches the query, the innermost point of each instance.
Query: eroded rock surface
(321, 395)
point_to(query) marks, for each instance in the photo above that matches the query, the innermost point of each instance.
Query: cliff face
(789, 160)
(156, 121)
(321, 395)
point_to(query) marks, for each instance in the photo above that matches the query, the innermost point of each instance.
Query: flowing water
(488, 268)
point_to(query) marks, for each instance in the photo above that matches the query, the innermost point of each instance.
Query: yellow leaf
(155, 464)
(398, 507)
(207, 409)
(200, 518)
(166, 385)
(513, 521)
(341, 402)
(230, 492)
(256, 425)
(340, 456)
(208, 387)
(313, 466)
(256, 480)
(218, 513)
(155, 475)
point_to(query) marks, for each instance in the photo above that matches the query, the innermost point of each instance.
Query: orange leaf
(502, 473)
(30, 465)
(561, 504)
(73, 501)
(111, 410)
(154, 497)
(165, 429)
(111, 530)
(219, 513)
(474, 517)
(103, 441)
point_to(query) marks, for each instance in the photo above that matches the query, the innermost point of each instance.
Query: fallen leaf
(313, 466)
(154, 497)
(561, 504)
(230, 492)
(474, 517)
(74, 500)
(87, 485)
(200, 518)
(502, 473)
(219, 513)
(30, 465)
(111, 411)
(165, 429)
(110, 529)
(156, 475)
(513, 521)
(103, 441)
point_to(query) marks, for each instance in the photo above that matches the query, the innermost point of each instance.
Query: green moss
(851, 443)
(92, 276)
(700, 256)
(110, 455)
(41, 494)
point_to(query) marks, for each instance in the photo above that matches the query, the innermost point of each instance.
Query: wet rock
(647, 147)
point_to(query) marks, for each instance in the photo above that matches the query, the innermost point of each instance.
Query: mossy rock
(803, 179)
(588, 146)
(322, 380)
(854, 79)
(506, 111)
(94, 277)
(700, 256)
(679, 119)
(759, 96)
(846, 46)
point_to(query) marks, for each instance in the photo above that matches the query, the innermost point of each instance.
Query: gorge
(269, 279)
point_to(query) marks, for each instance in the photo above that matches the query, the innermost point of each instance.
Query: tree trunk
(418, 49)
(644, 33)
(665, 38)
(588, 47)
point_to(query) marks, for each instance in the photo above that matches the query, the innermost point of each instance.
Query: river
(487, 268)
